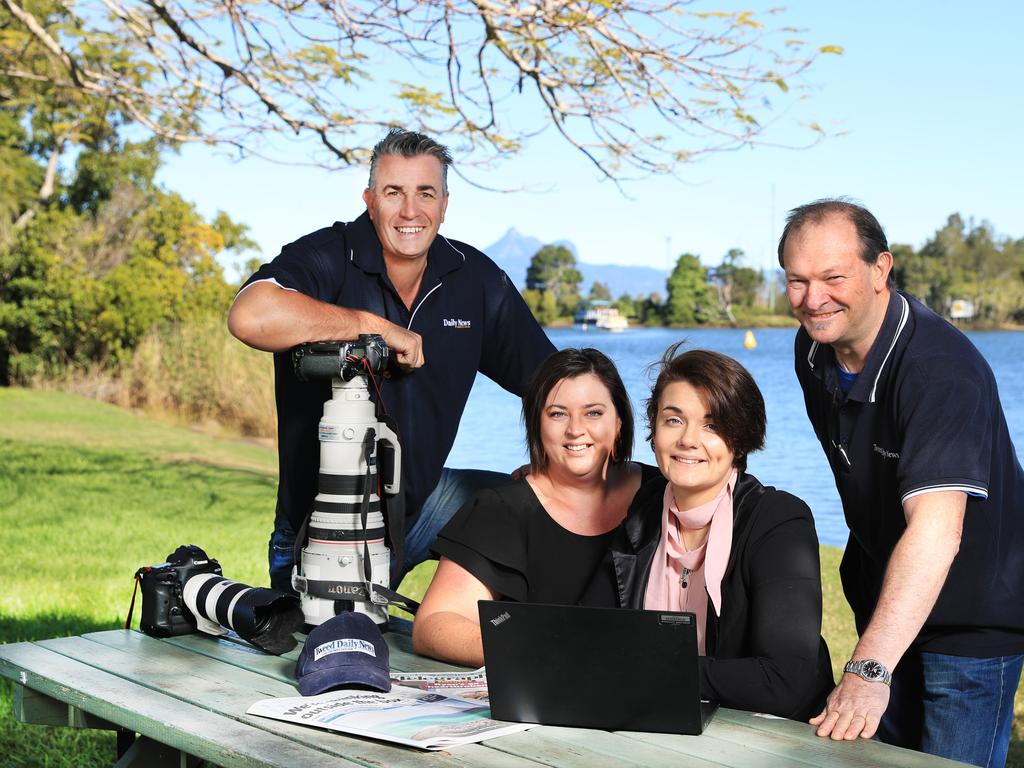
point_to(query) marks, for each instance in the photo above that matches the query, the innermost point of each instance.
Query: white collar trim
(904, 316)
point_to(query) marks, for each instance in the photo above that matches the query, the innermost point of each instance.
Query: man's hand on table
(853, 709)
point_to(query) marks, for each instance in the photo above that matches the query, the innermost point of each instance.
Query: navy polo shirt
(471, 318)
(923, 416)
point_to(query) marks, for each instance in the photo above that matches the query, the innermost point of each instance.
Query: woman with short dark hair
(708, 538)
(539, 538)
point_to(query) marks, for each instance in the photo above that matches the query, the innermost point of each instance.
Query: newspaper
(417, 718)
(463, 685)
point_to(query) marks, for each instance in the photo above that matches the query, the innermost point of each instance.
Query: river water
(491, 434)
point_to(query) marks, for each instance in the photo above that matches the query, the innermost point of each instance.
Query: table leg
(125, 739)
(39, 709)
(143, 752)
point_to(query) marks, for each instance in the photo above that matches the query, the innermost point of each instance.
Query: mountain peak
(514, 250)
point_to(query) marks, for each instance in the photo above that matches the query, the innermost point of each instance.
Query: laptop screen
(609, 668)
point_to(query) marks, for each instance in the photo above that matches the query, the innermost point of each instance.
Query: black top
(765, 652)
(924, 415)
(506, 539)
(470, 315)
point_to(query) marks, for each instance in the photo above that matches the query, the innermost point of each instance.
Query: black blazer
(765, 652)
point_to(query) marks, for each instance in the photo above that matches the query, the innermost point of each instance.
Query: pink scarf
(663, 585)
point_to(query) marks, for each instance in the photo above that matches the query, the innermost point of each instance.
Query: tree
(627, 305)
(553, 271)
(20, 176)
(108, 257)
(599, 292)
(690, 298)
(542, 304)
(637, 86)
(650, 309)
(964, 260)
(735, 284)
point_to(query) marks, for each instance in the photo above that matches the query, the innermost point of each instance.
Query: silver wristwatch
(871, 670)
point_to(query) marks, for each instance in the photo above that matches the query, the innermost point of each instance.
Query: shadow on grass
(53, 482)
(17, 629)
(44, 460)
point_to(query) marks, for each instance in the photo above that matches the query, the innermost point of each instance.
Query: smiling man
(909, 416)
(444, 308)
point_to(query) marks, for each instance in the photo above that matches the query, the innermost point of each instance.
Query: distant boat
(749, 341)
(602, 315)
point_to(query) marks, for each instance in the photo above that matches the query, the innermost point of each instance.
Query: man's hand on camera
(406, 345)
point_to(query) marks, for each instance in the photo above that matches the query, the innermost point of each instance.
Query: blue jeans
(959, 707)
(455, 488)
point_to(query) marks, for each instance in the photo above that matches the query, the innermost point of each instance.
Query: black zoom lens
(265, 617)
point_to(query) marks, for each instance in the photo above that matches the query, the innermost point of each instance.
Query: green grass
(90, 492)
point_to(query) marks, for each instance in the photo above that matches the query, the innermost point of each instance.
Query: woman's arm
(447, 625)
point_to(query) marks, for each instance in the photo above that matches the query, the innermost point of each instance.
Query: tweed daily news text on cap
(346, 650)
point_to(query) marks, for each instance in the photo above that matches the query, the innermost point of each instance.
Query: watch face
(873, 670)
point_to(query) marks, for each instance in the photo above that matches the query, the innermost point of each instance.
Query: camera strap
(369, 441)
(394, 512)
(390, 597)
(357, 591)
(378, 594)
(135, 591)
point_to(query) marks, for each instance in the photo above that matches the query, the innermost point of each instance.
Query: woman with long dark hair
(539, 538)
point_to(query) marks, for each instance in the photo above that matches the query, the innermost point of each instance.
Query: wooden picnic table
(186, 699)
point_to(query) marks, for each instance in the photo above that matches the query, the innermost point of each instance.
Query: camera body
(164, 613)
(188, 593)
(326, 360)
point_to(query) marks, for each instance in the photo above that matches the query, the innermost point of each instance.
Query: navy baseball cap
(346, 650)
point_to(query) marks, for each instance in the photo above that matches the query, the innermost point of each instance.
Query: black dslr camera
(164, 613)
(342, 359)
(188, 593)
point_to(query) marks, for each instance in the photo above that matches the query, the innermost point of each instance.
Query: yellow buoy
(749, 341)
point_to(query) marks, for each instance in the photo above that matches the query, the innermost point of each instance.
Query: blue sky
(927, 94)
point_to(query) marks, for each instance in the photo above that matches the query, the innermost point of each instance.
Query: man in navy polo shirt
(445, 310)
(908, 414)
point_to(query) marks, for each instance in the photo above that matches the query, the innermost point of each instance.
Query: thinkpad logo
(500, 619)
(456, 323)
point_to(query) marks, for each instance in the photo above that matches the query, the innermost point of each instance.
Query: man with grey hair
(445, 310)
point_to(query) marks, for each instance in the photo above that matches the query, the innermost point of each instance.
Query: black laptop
(607, 668)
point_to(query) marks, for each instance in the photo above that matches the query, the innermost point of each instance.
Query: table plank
(237, 653)
(861, 752)
(180, 725)
(560, 746)
(228, 690)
